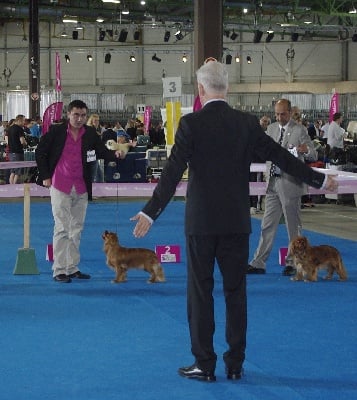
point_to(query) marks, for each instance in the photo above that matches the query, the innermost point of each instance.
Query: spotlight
(89, 57)
(228, 59)
(155, 58)
(123, 35)
(354, 37)
(227, 33)
(257, 36)
(237, 58)
(66, 57)
(64, 33)
(184, 58)
(167, 36)
(79, 26)
(294, 36)
(100, 19)
(137, 35)
(234, 36)
(75, 35)
(249, 59)
(101, 35)
(269, 37)
(107, 58)
(132, 58)
(179, 35)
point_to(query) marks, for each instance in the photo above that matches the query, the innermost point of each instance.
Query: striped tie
(273, 166)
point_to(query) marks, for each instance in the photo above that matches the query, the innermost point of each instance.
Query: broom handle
(26, 216)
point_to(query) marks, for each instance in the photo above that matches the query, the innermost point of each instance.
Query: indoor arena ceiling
(313, 18)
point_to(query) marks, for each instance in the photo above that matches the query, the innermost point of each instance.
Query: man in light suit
(217, 220)
(284, 191)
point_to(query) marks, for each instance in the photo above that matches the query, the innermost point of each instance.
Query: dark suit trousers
(231, 252)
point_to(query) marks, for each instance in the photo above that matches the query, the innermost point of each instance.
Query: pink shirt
(69, 169)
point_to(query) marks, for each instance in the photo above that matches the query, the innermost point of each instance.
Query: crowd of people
(20, 134)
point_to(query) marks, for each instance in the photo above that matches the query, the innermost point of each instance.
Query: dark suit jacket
(51, 146)
(218, 144)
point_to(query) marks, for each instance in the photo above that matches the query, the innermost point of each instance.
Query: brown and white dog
(309, 259)
(122, 258)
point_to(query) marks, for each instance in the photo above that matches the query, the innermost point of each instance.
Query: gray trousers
(69, 212)
(277, 204)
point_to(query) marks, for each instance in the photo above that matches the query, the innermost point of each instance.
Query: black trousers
(231, 253)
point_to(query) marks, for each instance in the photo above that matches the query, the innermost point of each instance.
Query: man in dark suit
(217, 143)
(64, 159)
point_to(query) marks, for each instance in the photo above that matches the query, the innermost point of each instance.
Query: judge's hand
(331, 183)
(142, 226)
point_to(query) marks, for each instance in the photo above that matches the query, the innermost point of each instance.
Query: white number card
(172, 86)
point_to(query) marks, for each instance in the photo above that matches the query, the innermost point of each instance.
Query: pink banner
(147, 117)
(333, 106)
(53, 113)
(58, 73)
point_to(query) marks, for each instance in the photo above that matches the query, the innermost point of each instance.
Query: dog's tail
(341, 271)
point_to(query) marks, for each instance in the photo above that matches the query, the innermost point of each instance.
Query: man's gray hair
(213, 76)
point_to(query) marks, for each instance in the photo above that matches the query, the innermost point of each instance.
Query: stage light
(100, 19)
(155, 58)
(69, 19)
(101, 35)
(89, 57)
(184, 58)
(354, 37)
(64, 33)
(269, 37)
(137, 35)
(75, 35)
(237, 58)
(228, 59)
(66, 57)
(249, 59)
(227, 33)
(179, 35)
(257, 36)
(167, 36)
(234, 36)
(294, 36)
(132, 58)
(107, 58)
(79, 26)
(123, 35)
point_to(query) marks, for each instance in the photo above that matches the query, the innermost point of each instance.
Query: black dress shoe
(289, 271)
(194, 372)
(234, 374)
(79, 275)
(253, 270)
(62, 278)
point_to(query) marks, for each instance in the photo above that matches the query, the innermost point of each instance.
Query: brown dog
(122, 258)
(309, 259)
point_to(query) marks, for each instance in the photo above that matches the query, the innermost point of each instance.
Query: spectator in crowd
(97, 173)
(336, 133)
(15, 138)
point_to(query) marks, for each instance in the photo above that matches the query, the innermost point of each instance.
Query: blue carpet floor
(101, 341)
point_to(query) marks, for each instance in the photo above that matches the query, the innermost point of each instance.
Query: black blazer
(218, 145)
(51, 146)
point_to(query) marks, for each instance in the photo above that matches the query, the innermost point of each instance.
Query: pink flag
(333, 106)
(58, 73)
(147, 117)
(53, 113)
